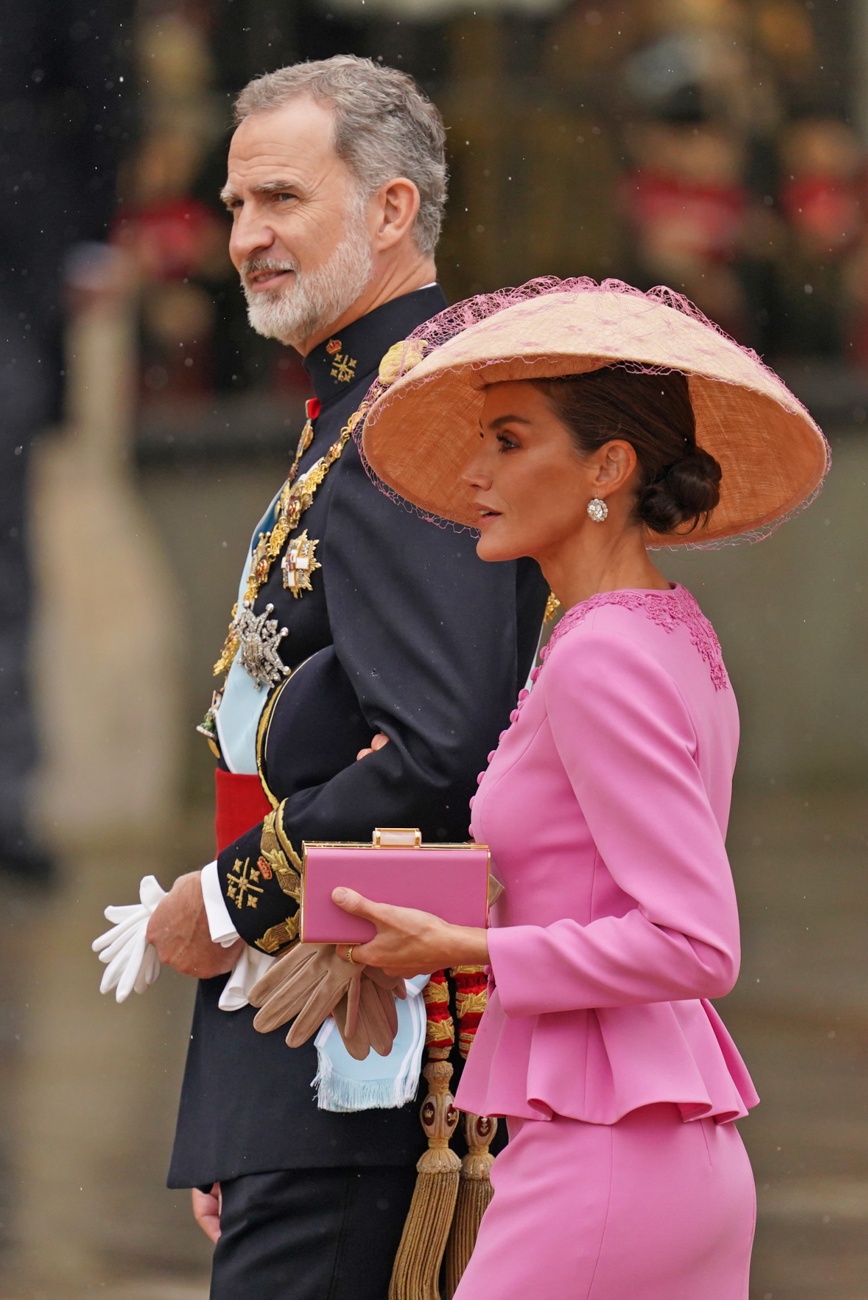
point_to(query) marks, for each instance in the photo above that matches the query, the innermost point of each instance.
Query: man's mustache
(254, 265)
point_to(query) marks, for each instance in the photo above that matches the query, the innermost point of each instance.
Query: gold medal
(299, 563)
(295, 498)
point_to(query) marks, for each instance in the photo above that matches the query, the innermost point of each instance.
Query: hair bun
(685, 492)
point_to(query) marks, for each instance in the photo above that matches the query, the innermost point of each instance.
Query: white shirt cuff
(219, 920)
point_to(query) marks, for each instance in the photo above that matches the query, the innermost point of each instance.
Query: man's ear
(393, 209)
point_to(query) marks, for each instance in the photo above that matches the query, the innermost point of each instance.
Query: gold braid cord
(451, 1195)
(294, 499)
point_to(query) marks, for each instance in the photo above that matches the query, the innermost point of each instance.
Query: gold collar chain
(294, 499)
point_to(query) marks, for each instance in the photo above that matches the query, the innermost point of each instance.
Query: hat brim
(423, 430)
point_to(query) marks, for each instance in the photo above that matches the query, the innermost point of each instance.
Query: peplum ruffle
(599, 1065)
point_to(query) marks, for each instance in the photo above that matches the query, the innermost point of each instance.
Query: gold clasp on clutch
(396, 837)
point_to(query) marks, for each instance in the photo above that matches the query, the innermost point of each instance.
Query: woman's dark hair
(679, 483)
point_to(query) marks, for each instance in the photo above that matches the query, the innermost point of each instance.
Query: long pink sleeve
(624, 735)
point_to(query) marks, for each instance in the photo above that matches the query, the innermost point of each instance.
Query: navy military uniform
(401, 629)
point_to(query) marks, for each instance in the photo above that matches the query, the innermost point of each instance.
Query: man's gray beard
(313, 300)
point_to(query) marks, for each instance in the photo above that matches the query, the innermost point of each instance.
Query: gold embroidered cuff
(277, 856)
(278, 935)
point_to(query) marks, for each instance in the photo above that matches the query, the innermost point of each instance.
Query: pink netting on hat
(454, 320)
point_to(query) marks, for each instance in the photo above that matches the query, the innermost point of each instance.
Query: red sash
(240, 805)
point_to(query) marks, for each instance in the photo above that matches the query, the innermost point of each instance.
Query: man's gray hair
(384, 126)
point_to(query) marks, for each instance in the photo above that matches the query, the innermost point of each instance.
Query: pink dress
(605, 806)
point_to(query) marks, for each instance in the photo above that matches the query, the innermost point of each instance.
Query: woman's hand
(410, 942)
(377, 743)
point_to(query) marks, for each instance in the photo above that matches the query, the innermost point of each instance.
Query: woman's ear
(395, 206)
(616, 464)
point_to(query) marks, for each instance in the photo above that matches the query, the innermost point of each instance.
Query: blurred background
(718, 146)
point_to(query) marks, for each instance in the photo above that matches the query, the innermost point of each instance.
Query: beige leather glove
(376, 1020)
(311, 981)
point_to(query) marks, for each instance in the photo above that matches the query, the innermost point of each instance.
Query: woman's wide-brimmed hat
(422, 428)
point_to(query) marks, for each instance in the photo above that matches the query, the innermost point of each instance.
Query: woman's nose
(475, 472)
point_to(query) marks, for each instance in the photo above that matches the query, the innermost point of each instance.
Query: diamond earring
(597, 510)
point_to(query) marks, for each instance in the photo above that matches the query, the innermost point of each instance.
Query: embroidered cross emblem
(243, 884)
(344, 368)
(299, 563)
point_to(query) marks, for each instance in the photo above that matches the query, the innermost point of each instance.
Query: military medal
(258, 638)
(299, 563)
(208, 726)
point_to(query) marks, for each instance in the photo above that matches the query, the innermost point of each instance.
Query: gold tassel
(474, 1194)
(417, 1264)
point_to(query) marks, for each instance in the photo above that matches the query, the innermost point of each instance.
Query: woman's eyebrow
(508, 419)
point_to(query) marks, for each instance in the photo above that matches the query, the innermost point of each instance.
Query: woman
(563, 425)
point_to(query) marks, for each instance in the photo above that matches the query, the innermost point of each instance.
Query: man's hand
(206, 1211)
(377, 743)
(178, 929)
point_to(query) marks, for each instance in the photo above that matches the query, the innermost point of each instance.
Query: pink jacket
(605, 806)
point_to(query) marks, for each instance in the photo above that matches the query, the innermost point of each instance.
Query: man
(336, 185)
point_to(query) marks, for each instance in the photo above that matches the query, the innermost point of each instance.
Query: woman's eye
(506, 442)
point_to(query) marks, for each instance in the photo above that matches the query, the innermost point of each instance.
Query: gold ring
(349, 956)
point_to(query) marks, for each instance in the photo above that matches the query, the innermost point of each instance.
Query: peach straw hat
(421, 425)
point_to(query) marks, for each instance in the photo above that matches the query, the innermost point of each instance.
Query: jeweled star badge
(299, 563)
(260, 637)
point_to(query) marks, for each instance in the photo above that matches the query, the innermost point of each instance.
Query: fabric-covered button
(513, 717)
(479, 778)
(491, 754)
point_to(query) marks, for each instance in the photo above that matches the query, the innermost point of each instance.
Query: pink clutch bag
(450, 880)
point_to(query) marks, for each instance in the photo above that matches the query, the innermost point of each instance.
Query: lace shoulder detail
(668, 609)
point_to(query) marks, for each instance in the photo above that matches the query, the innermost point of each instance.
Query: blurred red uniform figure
(824, 202)
(176, 243)
(686, 205)
(823, 193)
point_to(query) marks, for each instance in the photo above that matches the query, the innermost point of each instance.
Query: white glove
(132, 964)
